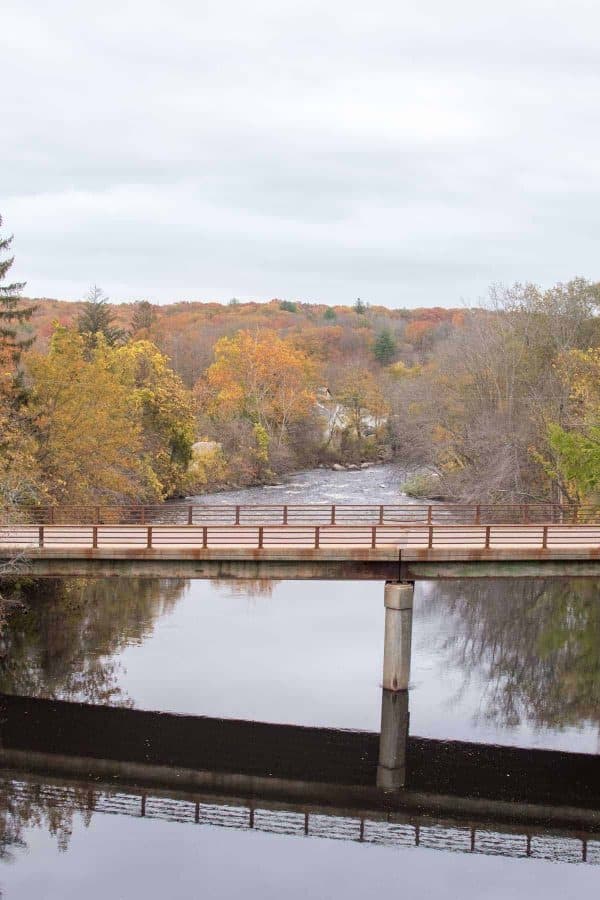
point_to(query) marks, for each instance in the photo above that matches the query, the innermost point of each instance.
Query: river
(377, 484)
(497, 663)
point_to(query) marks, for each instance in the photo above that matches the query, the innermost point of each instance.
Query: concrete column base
(398, 599)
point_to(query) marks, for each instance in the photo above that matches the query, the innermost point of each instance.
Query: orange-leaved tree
(263, 378)
(258, 389)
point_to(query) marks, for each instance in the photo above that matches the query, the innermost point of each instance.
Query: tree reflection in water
(58, 642)
(533, 644)
(246, 587)
(21, 810)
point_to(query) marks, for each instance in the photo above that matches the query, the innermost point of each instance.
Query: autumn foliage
(261, 377)
(119, 394)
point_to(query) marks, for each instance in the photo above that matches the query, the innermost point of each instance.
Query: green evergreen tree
(143, 316)
(329, 314)
(385, 347)
(288, 306)
(97, 318)
(360, 307)
(13, 314)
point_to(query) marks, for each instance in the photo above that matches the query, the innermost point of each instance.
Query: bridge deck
(307, 551)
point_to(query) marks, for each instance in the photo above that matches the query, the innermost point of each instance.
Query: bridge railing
(313, 537)
(310, 514)
(392, 829)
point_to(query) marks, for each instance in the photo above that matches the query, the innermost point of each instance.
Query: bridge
(398, 544)
(289, 779)
(343, 542)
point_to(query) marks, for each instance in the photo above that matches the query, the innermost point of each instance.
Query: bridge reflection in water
(303, 781)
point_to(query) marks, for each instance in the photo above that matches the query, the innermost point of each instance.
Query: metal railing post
(333, 514)
(190, 515)
(373, 537)
(285, 514)
(261, 537)
(429, 515)
(95, 537)
(317, 537)
(149, 544)
(205, 537)
(430, 543)
(478, 514)
(545, 537)
(237, 515)
(488, 535)
(41, 535)
(381, 514)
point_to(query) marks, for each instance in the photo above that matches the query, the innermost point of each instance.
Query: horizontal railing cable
(310, 514)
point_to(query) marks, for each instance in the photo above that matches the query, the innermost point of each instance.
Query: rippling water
(510, 663)
(377, 484)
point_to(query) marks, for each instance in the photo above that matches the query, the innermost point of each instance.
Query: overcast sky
(409, 153)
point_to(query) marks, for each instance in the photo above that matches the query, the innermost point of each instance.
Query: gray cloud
(410, 153)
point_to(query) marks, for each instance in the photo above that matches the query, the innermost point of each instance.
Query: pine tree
(360, 307)
(143, 316)
(385, 348)
(97, 318)
(329, 314)
(13, 314)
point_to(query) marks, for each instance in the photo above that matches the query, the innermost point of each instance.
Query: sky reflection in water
(511, 663)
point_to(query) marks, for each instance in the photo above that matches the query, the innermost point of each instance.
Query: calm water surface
(511, 663)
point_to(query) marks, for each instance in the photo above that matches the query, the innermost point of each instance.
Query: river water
(514, 663)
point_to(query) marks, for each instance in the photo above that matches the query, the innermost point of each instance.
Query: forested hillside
(130, 402)
(188, 332)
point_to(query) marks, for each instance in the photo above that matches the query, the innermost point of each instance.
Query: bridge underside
(343, 564)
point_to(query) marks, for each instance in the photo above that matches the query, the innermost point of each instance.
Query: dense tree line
(102, 402)
(508, 410)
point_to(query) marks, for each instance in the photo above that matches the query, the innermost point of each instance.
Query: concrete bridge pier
(391, 770)
(398, 599)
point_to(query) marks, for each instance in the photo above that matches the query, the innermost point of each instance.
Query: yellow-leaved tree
(163, 407)
(88, 443)
(112, 423)
(365, 405)
(576, 442)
